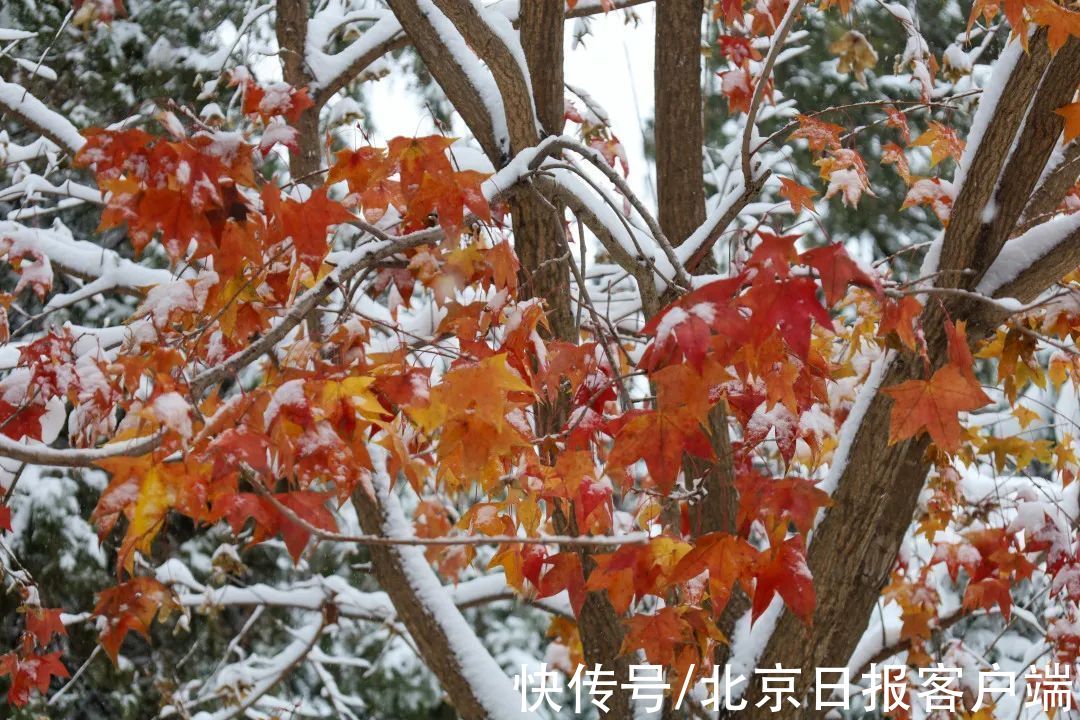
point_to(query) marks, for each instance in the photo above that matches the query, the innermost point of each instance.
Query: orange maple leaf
(796, 194)
(727, 558)
(942, 141)
(131, 606)
(660, 439)
(934, 405)
(819, 134)
(1071, 113)
(989, 592)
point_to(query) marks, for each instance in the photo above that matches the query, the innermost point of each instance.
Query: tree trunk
(291, 26)
(679, 129)
(474, 683)
(855, 546)
(537, 241)
(537, 228)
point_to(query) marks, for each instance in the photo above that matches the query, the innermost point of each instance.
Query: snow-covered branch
(38, 117)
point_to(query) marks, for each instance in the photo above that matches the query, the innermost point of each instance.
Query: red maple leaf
(783, 570)
(43, 623)
(837, 270)
(30, 672)
(306, 222)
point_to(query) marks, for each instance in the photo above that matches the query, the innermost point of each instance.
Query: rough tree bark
(397, 569)
(679, 128)
(679, 136)
(291, 23)
(537, 229)
(854, 547)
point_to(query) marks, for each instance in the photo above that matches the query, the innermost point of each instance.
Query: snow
(8, 34)
(325, 67)
(36, 69)
(848, 183)
(278, 132)
(491, 687)
(478, 75)
(1022, 252)
(991, 96)
(748, 643)
(502, 27)
(671, 319)
(854, 420)
(19, 101)
(705, 232)
(288, 395)
(174, 413)
(81, 257)
(179, 295)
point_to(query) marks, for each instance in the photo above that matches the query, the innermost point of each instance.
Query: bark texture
(679, 129)
(426, 631)
(538, 228)
(854, 547)
(291, 23)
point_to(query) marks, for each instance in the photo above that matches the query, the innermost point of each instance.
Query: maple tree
(715, 435)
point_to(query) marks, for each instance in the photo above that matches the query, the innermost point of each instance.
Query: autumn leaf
(307, 222)
(738, 49)
(837, 270)
(43, 623)
(22, 420)
(310, 507)
(855, 54)
(846, 172)
(270, 520)
(988, 592)
(737, 85)
(934, 405)
(419, 156)
(674, 637)
(1071, 113)
(659, 438)
(778, 501)
(789, 305)
(368, 172)
(775, 253)
(132, 605)
(942, 141)
(899, 316)
(275, 99)
(633, 571)
(30, 672)
(899, 121)
(799, 196)
(564, 573)
(782, 570)
(728, 559)
(818, 134)
(937, 193)
(893, 154)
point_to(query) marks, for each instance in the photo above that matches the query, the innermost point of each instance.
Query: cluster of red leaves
(428, 185)
(29, 667)
(275, 458)
(748, 342)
